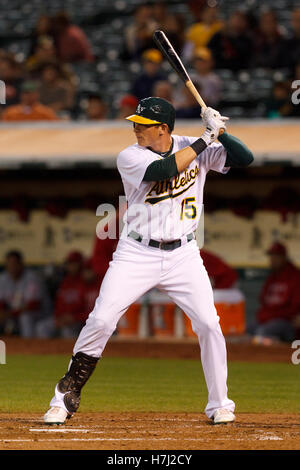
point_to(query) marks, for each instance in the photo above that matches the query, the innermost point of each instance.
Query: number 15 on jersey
(188, 209)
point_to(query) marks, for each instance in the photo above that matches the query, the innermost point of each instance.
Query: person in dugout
(68, 301)
(279, 311)
(89, 288)
(221, 275)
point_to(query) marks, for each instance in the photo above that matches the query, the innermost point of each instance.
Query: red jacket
(221, 275)
(280, 296)
(89, 293)
(73, 45)
(102, 255)
(69, 298)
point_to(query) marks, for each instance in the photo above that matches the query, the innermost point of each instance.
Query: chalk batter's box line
(115, 431)
(137, 439)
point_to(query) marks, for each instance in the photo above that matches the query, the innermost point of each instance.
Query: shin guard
(81, 369)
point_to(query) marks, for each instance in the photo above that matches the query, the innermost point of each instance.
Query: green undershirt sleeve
(160, 170)
(238, 154)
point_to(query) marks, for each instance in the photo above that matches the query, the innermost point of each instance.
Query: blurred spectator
(42, 28)
(163, 89)
(53, 275)
(280, 299)
(143, 85)
(279, 104)
(138, 35)
(71, 42)
(54, 90)
(188, 108)
(232, 47)
(199, 34)
(269, 42)
(102, 255)
(127, 106)
(68, 302)
(292, 46)
(29, 109)
(96, 108)
(104, 248)
(228, 298)
(21, 295)
(11, 74)
(221, 275)
(160, 14)
(44, 52)
(196, 7)
(90, 289)
(204, 76)
(172, 25)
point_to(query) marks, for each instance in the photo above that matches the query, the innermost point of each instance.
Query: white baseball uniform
(162, 211)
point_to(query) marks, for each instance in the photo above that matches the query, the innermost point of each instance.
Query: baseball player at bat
(163, 176)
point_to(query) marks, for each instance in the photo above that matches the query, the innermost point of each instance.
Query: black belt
(161, 245)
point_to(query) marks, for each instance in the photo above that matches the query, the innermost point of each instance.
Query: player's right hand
(212, 118)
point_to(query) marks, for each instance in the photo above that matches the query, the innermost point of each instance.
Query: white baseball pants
(180, 273)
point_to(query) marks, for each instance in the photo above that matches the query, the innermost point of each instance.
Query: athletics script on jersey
(165, 189)
(170, 209)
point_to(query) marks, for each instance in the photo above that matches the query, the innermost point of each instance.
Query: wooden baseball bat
(170, 54)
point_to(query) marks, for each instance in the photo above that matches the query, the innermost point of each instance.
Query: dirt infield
(153, 348)
(150, 431)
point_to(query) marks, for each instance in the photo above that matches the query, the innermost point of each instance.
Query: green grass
(27, 384)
